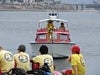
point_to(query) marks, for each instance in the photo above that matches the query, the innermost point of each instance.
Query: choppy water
(18, 27)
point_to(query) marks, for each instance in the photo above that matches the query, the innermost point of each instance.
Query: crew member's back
(22, 59)
(44, 57)
(6, 60)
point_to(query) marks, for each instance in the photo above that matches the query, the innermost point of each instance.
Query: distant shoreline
(35, 9)
(45, 10)
(65, 8)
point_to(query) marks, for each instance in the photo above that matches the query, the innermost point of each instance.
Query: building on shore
(46, 2)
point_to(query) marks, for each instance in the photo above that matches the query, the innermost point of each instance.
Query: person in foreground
(77, 61)
(44, 57)
(6, 61)
(22, 59)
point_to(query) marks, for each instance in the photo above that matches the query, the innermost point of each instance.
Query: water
(18, 27)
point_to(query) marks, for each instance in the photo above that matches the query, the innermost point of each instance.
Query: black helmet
(43, 49)
(21, 48)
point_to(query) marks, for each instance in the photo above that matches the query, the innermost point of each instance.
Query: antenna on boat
(54, 13)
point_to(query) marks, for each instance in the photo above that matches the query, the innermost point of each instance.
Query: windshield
(63, 36)
(55, 23)
(41, 36)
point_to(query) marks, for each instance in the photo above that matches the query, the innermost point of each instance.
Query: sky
(78, 1)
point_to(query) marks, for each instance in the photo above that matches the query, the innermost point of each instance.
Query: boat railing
(56, 30)
(42, 29)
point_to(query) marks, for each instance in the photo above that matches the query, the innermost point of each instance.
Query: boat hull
(57, 50)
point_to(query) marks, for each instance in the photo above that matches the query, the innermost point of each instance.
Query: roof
(59, 20)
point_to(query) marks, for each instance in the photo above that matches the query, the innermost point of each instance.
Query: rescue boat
(58, 43)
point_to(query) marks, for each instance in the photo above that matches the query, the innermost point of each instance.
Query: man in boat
(62, 27)
(77, 61)
(6, 61)
(50, 28)
(22, 59)
(44, 57)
